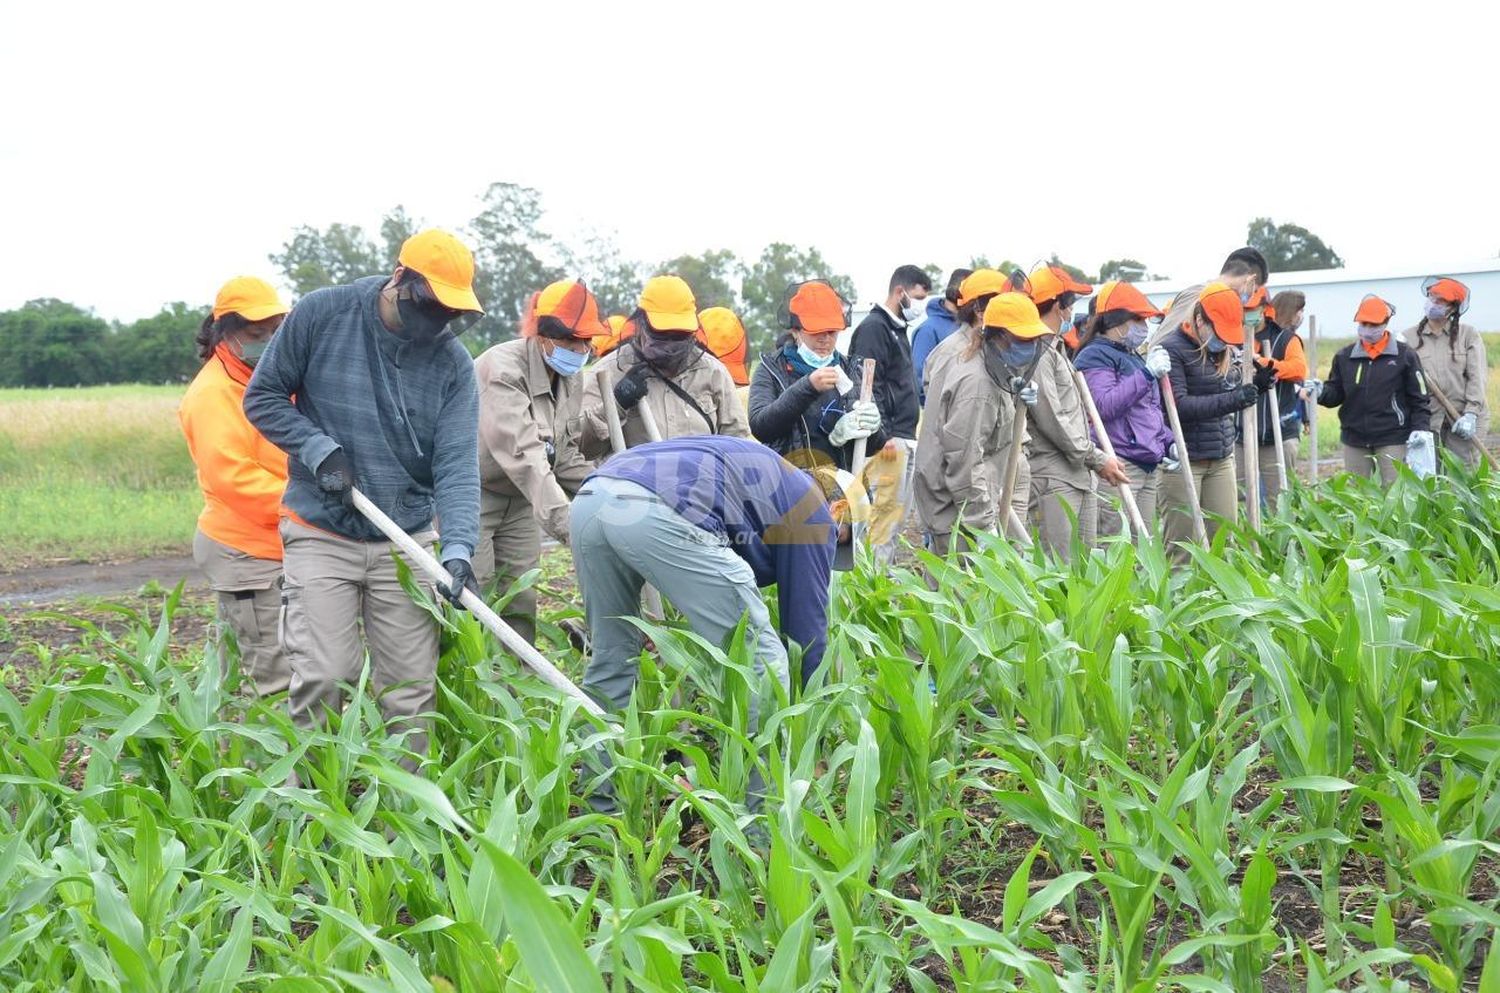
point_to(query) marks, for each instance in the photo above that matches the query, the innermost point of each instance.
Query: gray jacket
(407, 416)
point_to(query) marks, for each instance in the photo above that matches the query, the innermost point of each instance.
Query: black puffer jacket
(1384, 399)
(1206, 400)
(790, 416)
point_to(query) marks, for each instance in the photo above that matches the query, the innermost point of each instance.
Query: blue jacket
(772, 514)
(937, 326)
(406, 415)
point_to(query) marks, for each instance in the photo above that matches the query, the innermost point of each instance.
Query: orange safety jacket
(241, 474)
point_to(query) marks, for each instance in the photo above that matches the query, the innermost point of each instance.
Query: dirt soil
(32, 585)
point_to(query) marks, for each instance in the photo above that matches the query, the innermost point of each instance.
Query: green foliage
(766, 281)
(52, 343)
(1126, 270)
(158, 349)
(341, 253)
(614, 280)
(509, 244)
(1291, 247)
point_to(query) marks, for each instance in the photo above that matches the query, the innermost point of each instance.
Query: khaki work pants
(1270, 479)
(334, 585)
(1217, 495)
(1143, 486)
(1372, 462)
(249, 594)
(510, 545)
(1055, 503)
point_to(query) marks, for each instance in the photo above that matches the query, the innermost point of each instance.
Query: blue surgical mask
(1067, 324)
(1019, 354)
(812, 358)
(1437, 309)
(565, 362)
(1135, 334)
(1215, 344)
(1245, 295)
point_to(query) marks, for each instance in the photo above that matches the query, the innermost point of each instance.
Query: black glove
(1264, 378)
(632, 387)
(336, 475)
(1246, 395)
(463, 579)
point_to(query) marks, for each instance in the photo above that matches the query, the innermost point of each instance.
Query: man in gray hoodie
(368, 385)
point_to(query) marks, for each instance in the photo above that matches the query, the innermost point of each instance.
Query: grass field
(93, 474)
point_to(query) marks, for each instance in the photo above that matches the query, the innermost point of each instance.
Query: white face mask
(1437, 310)
(1371, 333)
(911, 310)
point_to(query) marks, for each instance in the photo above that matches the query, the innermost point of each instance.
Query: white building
(1334, 294)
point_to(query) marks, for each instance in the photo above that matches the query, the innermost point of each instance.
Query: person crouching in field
(242, 476)
(1453, 360)
(1378, 385)
(529, 463)
(367, 384)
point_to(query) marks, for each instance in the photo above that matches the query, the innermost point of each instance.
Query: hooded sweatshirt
(407, 416)
(940, 323)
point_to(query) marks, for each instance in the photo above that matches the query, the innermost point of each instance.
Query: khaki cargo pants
(1056, 502)
(332, 587)
(249, 595)
(1143, 486)
(1372, 462)
(510, 545)
(1217, 495)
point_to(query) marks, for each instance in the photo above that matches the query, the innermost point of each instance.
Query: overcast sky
(150, 151)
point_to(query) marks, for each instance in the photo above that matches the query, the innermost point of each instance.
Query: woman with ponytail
(242, 476)
(1453, 359)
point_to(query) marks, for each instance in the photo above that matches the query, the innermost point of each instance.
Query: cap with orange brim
(982, 283)
(1373, 310)
(818, 308)
(1014, 312)
(1225, 312)
(668, 304)
(724, 334)
(1447, 289)
(617, 329)
(1120, 295)
(447, 265)
(569, 302)
(252, 298)
(1049, 282)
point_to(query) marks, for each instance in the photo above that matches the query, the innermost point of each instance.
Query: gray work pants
(510, 545)
(1374, 462)
(1143, 486)
(623, 536)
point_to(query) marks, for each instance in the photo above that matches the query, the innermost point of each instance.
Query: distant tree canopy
(52, 343)
(1291, 247)
(1125, 270)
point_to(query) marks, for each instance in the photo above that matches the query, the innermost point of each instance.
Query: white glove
(1419, 454)
(1026, 391)
(1169, 461)
(853, 425)
(1158, 362)
(1313, 388)
(1465, 426)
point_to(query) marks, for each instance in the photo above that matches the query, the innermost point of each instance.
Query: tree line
(51, 342)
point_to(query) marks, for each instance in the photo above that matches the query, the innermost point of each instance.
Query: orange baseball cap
(981, 283)
(1225, 312)
(722, 332)
(252, 298)
(669, 304)
(1446, 288)
(570, 302)
(1049, 282)
(1120, 295)
(1015, 313)
(1373, 310)
(447, 265)
(616, 330)
(818, 307)
(1260, 298)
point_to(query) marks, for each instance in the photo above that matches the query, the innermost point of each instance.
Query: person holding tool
(1123, 385)
(1381, 392)
(1207, 396)
(1454, 362)
(1277, 335)
(1063, 459)
(529, 463)
(968, 426)
(663, 364)
(242, 476)
(367, 384)
(804, 396)
(708, 520)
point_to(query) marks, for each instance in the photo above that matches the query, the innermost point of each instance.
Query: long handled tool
(1312, 403)
(513, 642)
(1169, 400)
(866, 391)
(1452, 412)
(1250, 445)
(648, 420)
(649, 595)
(1127, 495)
(1013, 472)
(1275, 407)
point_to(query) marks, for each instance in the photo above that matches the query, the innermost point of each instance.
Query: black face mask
(667, 352)
(421, 323)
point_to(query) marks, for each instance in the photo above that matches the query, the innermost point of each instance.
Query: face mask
(1437, 310)
(251, 351)
(420, 324)
(1020, 354)
(1135, 335)
(1253, 319)
(565, 362)
(911, 310)
(667, 351)
(1066, 325)
(1213, 342)
(1370, 334)
(812, 358)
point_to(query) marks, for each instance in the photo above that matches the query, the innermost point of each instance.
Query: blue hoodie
(938, 325)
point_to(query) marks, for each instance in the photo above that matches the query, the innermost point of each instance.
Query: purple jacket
(1129, 401)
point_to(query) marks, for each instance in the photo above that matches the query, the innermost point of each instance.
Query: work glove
(1026, 391)
(1158, 362)
(1420, 456)
(335, 475)
(1465, 426)
(1264, 378)
(1312, 389)
(869, 416)
(463, 579)
(1246, 394)
(852, 425)
(1171, 461)
(631, 387)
